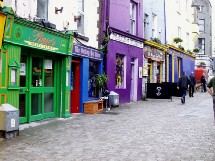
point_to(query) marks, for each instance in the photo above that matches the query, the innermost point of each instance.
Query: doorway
(75, 87)
(38, 87)
(134, 76)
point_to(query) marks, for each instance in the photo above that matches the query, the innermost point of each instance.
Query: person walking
(192, 84)
(183, 84)
(211, 90)
(203, 82)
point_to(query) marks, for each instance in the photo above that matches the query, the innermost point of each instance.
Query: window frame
(81, 14)
(133, 18)
(123, 75)
(201, 46)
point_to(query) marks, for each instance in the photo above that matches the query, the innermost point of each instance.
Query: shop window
(37, 65)
(120, 71)
(42, 9)
(93, 70)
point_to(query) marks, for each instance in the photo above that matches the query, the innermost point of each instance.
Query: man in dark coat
(203, 82)
(192, 84)
(183, 84)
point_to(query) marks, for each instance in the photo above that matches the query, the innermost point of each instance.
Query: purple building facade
(123, 40)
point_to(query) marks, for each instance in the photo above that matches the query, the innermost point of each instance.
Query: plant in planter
(157, 40)
(100, 83)
(202, 63)
(196, 50)
(181, 47)
(177, 40)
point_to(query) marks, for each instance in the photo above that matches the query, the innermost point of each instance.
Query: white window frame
(80, 23)
(201, 25)
(154, 25)
(133, 18)
(201, 46)
(45, 8)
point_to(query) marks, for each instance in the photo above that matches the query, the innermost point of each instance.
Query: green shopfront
(35, 70)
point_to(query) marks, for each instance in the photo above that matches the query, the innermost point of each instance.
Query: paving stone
(153, 130)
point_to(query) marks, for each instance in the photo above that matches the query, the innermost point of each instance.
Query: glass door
(23, 94)
(43, 89)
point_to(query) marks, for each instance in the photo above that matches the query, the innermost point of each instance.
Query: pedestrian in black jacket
(192, 84)
(203, 82)
(183, 84)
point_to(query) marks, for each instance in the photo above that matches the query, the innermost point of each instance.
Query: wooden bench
(92, 107)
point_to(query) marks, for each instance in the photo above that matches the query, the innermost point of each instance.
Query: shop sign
(153, 53)
(36, 37)
(82, 51)
(126, 40)
(179, 54)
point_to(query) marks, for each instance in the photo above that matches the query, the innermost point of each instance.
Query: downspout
(165, 40)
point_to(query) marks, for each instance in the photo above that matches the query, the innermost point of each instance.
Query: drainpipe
(165, 40)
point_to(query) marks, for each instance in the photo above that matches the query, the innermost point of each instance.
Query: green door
(37, 99)
(43, 88)
(23, 92)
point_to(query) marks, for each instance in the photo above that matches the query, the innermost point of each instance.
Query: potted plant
(100, 83)
(181, 47)
(157, 40)
(196, 50)
(177, 40)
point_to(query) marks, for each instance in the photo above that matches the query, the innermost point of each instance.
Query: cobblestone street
(152, 130)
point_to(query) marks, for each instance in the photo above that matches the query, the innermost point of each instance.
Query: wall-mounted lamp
(57, 10)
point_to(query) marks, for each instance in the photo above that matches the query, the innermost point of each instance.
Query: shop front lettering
(39, 37)
(87, 52)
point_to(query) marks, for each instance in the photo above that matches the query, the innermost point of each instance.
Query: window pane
(133, 18)
(81, 5)
(119, 73)
(42, 9)
(48, 102)
(22, 105)
(36, 104)
(37, 64)
(49, 73)
(23, 71)
(93, 70)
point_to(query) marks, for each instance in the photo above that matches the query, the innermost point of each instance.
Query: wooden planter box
(92, 107)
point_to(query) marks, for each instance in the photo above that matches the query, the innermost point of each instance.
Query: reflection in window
(93, 70)
(36, 104)
(48, 102)
(49, 73)
(120, 70)
(22, 105)
(23, 71)
(36, 72)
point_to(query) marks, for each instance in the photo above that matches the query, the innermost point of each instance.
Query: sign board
(83, 51)
(30, 34)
